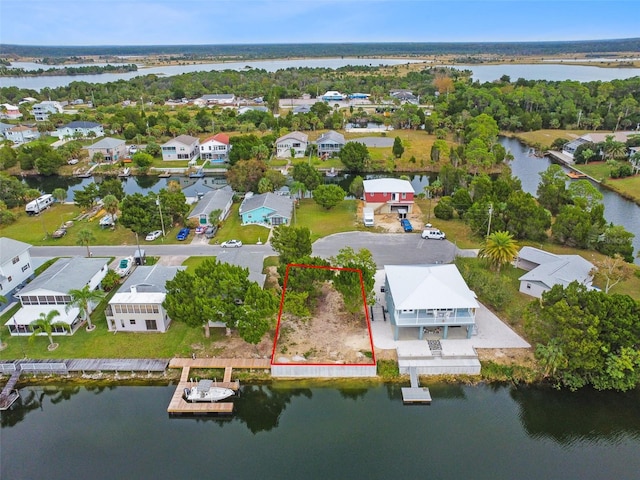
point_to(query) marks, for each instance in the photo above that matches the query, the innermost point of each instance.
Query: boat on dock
(206, 391)
(576, 175)
(331, 173)
(164, 175)
(197, 174)
(125, 173)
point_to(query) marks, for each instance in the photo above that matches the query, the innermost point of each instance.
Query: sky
(179, 22)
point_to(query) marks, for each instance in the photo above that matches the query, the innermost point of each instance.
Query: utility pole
(490, 215)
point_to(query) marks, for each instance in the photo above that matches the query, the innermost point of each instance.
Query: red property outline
(366, 313)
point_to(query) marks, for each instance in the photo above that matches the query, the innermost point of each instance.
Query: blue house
(266, 209)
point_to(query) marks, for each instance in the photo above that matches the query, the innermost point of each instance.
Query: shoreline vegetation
(70, 71)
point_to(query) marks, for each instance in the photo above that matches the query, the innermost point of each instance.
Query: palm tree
(499, 248)
(85, 237)
(45, 324)
(83, 298)
(111, 204)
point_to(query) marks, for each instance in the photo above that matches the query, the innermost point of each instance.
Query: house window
(407, 311)
(25, 268)
(528, 286)
(16, 260)
(109, 311)
(9, 278)
(151, 324)
(132, 321)
(122, 323)
(404, 195)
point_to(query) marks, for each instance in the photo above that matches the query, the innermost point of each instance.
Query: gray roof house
(183, 147)
(79, 128)
(137, 306)
(112, 149)
(266, 209)
(330, 143)
(545, 269)
(220, 98)
(220, 199)
(49, 291)
(296, 141)
(15, 264)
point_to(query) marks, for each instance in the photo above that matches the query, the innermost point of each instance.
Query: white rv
(367, 216)
(39, 204)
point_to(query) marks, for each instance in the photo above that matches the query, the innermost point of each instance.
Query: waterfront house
(389, 195)
(183, 147)
(112, 149)
(79, 129)
(21, 134)
(137, 306)
(330, 143)
(220, 199)
(294, 141)
(10, 112)
(570, 148)
(215, 148)
(545, 269)
(405, 96)
(429, 297)
(50, 291)
(42, 110)
(15, 264)
(266, 209)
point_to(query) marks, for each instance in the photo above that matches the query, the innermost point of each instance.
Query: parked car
(433, 233)
(231, 244)
(151, 236)
(183, 234)
(200, 229)
(133, 149)
(73, 161)
(59, 233)
(406, 225)
(211, 232)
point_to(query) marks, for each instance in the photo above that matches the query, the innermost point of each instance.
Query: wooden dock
(9, 393)
(415, 393)
(178, 405)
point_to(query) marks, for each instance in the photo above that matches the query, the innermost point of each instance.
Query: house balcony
(435, 318)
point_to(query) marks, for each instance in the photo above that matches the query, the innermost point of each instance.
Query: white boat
(124, 267)
(108, 220)
(125, 173)
(332, 172)
(206, 391)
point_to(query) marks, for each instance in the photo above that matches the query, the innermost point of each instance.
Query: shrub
(444, 209)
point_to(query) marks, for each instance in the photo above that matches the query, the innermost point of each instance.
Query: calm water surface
(323, 433)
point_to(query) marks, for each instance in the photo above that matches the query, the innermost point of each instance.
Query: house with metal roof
(330, 143)
(389, 195)
(333, 95)
(220, 199)
(219, 98)
(79, 129)
(42, 110)
(292, 144)
(183, 147)
(21, 134)
(266, 209)
(301, 109)
(15, 264)
(545, 269)
(405, 96)
(429, 296)
(112, 149)
(215, 148)
(50, 291)
(10, 112)
(137, 306)
(569, 148)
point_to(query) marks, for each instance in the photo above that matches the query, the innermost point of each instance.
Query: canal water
(617, 210)
(282, 432)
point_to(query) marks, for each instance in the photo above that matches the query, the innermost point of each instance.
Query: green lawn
(194, 262)
(598, 170)
(232, 228)
(457, 230)
(322, 222)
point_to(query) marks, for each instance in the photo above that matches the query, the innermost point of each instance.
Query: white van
(367, 217)
(433, 233)
(39, 204)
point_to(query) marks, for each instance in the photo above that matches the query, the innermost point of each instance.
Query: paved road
(389, 248)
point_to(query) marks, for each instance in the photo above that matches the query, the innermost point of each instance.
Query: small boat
(125, 173)
(164, 175)
(332, 172)
(576, 175)
(108, 220)
(124, 267)
(205, 391)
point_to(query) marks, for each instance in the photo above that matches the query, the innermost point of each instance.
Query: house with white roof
(330, 143)
(545, 269)
(389, 195)
(21, 134)
(570, 148)
(220, 199)
(333, 95)
(50, 291)
(15, 264)
(294, 141)
(42, 110)
(266, 209)
(429, 296)
(215, 148)
(137, 306)
(10, 112)
(112, 149)
(183, 147)
(79, 129)
(219, 98)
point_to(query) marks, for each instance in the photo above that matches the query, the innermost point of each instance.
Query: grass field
(322, 222)
(544, 138)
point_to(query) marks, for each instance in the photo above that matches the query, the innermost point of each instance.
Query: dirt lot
(332, 335)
